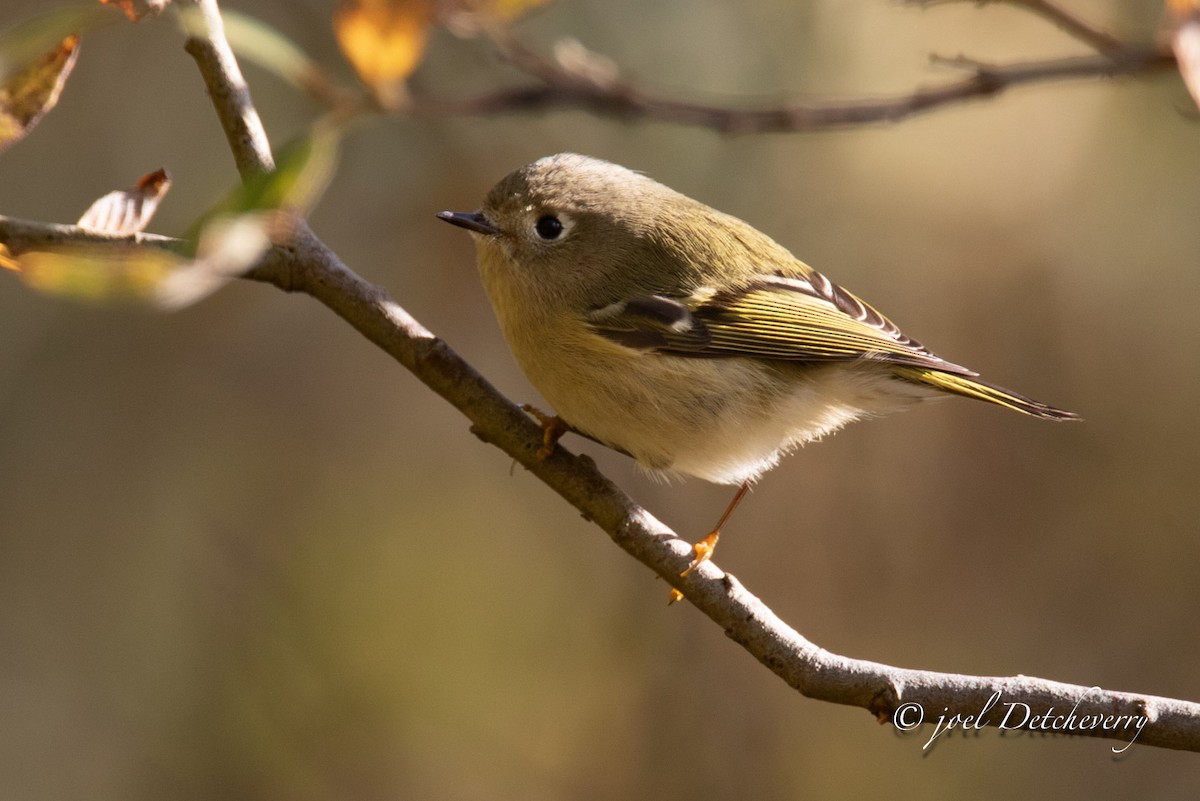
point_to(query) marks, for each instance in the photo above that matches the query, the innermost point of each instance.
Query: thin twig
(558, 89)
(1073, 24)
(23, 235)
(230, 95)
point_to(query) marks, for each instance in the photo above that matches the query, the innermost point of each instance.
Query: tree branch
(1073, 24)
(581, 79)
(564, 90)
(230, 94)
(306, 265)
(310, 267)
(22, 235)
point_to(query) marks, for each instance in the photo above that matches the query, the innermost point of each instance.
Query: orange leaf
(127, 211)
(7, 260)
(1184, 19)
(384, 40)
(508, 9)
(32, 90)
(136, 9)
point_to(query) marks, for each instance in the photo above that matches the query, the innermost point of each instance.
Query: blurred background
(245, 555)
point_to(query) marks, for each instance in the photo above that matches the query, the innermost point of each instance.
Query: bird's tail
(981, 390)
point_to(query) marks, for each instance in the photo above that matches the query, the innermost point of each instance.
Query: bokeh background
(244, 555)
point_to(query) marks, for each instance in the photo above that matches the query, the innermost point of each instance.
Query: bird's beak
(473, 221)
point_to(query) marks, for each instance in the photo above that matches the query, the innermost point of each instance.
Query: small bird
(683, 336)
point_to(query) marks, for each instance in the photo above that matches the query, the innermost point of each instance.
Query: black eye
(548, 227)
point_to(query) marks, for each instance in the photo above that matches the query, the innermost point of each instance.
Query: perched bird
(684, 336)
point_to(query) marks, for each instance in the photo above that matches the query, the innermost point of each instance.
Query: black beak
(472, 221)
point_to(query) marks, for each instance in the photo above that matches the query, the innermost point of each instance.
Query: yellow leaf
(384, 40)
(32, 90)
(96, 272)
(127, 211)
(508, 9)
(7, 260)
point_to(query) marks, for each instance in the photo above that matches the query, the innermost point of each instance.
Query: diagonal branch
(230, 94)
(889, 693)
(306, 265)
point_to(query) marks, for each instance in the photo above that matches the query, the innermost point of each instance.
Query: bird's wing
(801, 318)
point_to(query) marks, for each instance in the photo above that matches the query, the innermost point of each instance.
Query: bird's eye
(548, 227)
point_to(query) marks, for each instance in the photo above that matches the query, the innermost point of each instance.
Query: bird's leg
(553, 427)
(705, 547)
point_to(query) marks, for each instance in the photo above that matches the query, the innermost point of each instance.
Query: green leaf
(303, 168)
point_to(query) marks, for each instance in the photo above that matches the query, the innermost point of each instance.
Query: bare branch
(22, 235)
(577, 78)
(558, 88)
(1072, 24)
(230, 95)
(1082, 30)
(307, 265)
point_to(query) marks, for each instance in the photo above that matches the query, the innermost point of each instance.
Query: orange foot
(704, 551)
(553, 427)
(705, 547)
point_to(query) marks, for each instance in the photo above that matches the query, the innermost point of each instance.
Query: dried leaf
(384, 41)
(36, 56)
(127, 211)
(470, 18)
(1184, 19)
(225, 243)
(28, 93)
(577, 60)
(136, 9)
